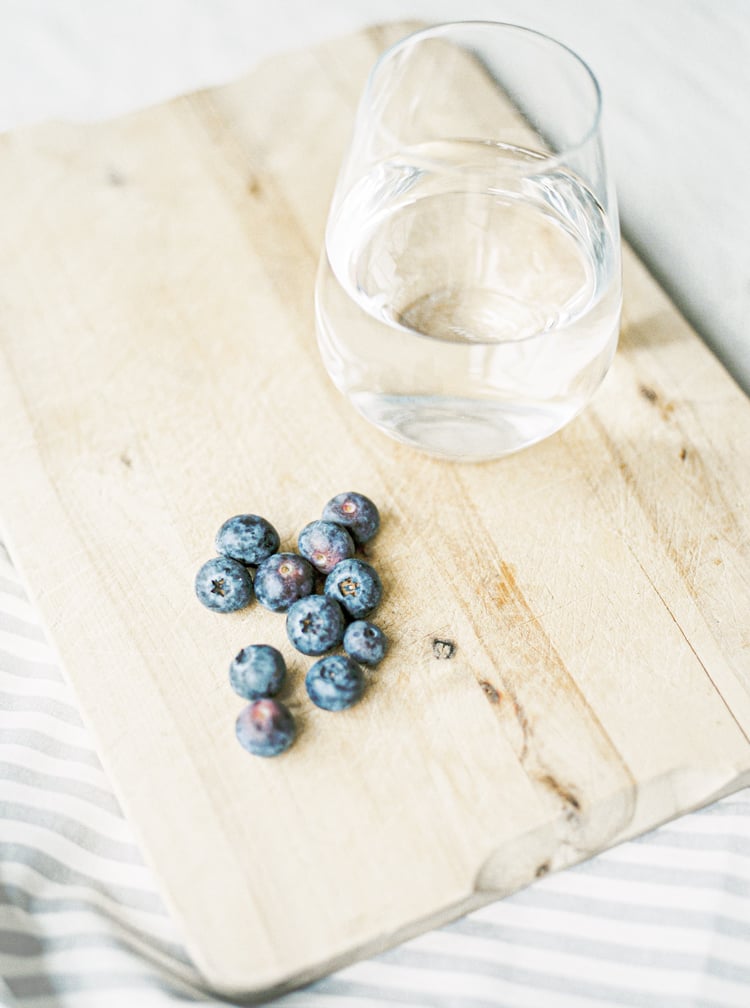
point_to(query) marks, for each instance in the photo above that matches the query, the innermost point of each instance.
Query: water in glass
(468, 297)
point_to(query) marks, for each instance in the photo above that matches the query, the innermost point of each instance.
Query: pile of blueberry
(317, 621)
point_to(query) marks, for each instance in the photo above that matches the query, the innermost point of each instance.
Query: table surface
(665, 920)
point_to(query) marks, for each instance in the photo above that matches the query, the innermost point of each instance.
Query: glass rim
(445, 27)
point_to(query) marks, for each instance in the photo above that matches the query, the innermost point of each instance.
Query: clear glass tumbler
(468, 296)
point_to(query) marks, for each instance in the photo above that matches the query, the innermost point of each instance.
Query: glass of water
(468, 295)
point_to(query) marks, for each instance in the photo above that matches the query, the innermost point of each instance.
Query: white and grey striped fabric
(663, 922)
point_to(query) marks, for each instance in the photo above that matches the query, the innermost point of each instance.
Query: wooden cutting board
(159, 372)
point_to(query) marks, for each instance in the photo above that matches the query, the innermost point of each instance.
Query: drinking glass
(468, 295)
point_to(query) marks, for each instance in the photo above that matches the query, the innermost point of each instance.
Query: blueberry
(335, 683)
(247, 538)
(257, 671)
(365, 642)
(265, 727)
(325, 544)
(356, 513)
(282, 579)
(315, 624)
(356, 586)
(224, 585)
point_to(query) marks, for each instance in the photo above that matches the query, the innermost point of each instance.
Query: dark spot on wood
(254, 187)
(524, 725)
(443, 649)
(648, 393)
(489, 691)
(565, 794)
(126, 460)
(683, 454)
(542, 870)
(115, 178)
(665, 408)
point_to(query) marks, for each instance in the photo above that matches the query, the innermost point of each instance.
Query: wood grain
(159, 372)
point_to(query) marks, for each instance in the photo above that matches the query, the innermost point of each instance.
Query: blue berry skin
(365, 642)
(356, 586)
(325, 544)
(315, 624)
(335, 683)
(257, 671)
(356, 513)
(247, 538)
(224, 585)
(282, 579)
(265, 727)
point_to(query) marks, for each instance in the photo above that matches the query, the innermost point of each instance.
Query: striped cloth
(661, 922)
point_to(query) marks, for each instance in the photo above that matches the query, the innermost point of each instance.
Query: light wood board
(159, 372)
